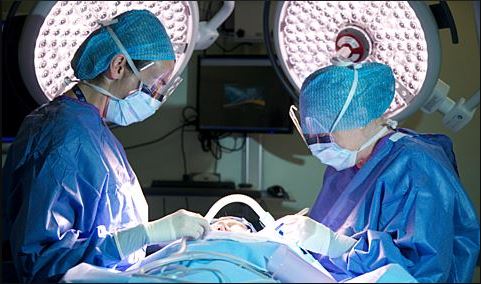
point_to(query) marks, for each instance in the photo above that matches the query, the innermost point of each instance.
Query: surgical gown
(406, 205)
(69, 186)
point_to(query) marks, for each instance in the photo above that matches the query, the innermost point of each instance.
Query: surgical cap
(142, 34)
(325, 91)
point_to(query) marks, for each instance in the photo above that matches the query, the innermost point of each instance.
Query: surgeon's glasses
(314, 128)
(160, 87)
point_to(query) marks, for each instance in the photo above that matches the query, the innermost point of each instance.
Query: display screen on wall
(241, 94)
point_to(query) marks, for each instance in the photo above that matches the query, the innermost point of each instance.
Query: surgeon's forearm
(130, 240)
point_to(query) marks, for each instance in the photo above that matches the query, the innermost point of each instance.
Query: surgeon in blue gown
(72, 195)
(389, 195)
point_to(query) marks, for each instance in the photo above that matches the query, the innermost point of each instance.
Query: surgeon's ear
(117, 67)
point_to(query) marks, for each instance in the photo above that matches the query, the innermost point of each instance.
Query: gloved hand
(314, 236)
(181, 223)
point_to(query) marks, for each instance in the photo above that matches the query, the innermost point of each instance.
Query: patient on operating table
(232, 251)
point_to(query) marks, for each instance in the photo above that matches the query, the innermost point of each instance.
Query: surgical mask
(134, 108)
(338, 157)
(141, 103)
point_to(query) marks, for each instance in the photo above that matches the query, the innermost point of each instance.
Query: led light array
(69, 23)
(307, 32)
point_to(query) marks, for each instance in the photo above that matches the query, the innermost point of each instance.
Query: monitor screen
(241, 94)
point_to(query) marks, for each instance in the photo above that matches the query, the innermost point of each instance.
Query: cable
(155, 140)
(192, 118)
(210, 142)
(233, 149)
(208, 256)
(162, 278)
(187, 121)
(182, 148)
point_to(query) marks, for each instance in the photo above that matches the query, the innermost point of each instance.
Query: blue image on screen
(236, 95)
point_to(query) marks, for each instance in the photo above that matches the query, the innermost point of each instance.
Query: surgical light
(55, 29)
(401, 34)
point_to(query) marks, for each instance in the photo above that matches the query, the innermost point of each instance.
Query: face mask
(135, 108)
(340, 158)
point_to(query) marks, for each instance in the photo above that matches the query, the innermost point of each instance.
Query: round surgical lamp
(55, 29)
(401, 34)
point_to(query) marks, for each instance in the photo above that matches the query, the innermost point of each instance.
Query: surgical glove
(181, 223)
(314, 236)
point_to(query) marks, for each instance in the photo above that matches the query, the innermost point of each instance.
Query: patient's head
(231, 224)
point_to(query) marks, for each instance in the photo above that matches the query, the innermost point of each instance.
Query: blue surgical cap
(142, 34)
(325, 91)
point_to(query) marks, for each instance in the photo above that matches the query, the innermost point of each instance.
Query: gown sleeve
(55, 225)
(417, 229)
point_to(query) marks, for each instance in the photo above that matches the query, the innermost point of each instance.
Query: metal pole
(252, 163)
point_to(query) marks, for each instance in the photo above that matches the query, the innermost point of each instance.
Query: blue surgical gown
(69, 187)
(406, 205)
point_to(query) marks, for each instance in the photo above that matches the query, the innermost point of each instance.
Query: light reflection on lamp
(401, 34)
